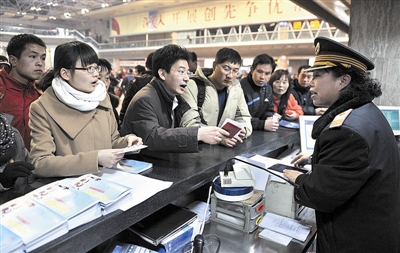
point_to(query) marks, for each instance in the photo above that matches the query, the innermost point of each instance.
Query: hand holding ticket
(133, 148)
(233, 127)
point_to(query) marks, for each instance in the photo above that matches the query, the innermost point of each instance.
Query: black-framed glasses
(91, 69)
(227, 70)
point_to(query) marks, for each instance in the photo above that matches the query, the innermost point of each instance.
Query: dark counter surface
(187, 171)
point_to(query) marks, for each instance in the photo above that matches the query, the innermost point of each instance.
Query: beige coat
(65, 141)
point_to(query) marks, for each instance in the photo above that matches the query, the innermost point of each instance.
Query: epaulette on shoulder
(340, 118)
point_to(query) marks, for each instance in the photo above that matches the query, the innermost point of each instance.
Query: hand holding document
(233, 127)
(133, 148)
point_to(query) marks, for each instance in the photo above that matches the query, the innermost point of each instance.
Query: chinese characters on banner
(214, 14)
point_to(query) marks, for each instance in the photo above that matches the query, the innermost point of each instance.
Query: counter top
(187, 171)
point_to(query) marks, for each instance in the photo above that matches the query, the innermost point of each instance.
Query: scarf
(351, 99)
(76, 99)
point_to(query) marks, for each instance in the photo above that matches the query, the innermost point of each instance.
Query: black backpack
(184, 107)
(201, 87)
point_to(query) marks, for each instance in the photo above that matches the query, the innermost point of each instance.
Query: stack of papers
(107, 192)
(282, 229)
(52, 210)
(201, 208)
(9, 241)
(75, 206)
(35, 224)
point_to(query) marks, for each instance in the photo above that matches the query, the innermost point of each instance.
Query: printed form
(284, 226)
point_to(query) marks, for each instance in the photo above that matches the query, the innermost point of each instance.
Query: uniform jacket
(292, 105)
(355, 184)
(235, 108)
(303, 97)
(65, 141)
(259, 100)
(149, 116)
(17, 100)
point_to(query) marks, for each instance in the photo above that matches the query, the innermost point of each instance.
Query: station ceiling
(70, 14)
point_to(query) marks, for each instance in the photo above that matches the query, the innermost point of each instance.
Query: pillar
(375, 32)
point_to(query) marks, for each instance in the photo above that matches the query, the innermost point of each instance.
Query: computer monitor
(392, 114)
(306, 123)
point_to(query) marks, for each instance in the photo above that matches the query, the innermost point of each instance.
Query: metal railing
(242, 34)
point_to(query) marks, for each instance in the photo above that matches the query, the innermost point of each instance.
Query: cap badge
(317, 48)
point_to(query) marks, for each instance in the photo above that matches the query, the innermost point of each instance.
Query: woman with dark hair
(285, 103)
(354, 185)
(74, 131)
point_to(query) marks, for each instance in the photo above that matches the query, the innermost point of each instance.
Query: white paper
(275, 237)
(285, 226)
(201, 208)
(132, 148)
(142, 187)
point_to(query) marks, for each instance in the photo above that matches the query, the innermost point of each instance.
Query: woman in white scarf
(74, 131)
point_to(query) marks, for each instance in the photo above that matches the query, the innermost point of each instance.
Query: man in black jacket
(258, 93)
(154, 112)
(301, 92)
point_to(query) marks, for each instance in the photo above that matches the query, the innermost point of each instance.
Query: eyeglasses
(91, 69)
(182, 72)
(227, 70)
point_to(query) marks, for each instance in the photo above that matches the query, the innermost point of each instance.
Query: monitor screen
(392, 114)
(306, 123)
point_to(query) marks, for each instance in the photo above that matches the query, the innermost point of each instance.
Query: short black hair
(17, 44)
(104, 63)
(303, 67)
(149, 61)
(229, 55)
(67, 54)
(192, 56)
(166, 56)
(140, 69)
(262, 59)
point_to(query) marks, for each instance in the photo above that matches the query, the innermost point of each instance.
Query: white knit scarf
(77, 99)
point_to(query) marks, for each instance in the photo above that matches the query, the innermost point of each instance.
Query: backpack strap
(201, 94)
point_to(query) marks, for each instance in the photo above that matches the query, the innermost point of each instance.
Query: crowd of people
(65, 121)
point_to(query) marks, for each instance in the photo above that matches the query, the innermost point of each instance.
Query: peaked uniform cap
(330, 53)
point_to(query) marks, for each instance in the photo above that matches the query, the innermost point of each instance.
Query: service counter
(187, 171)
